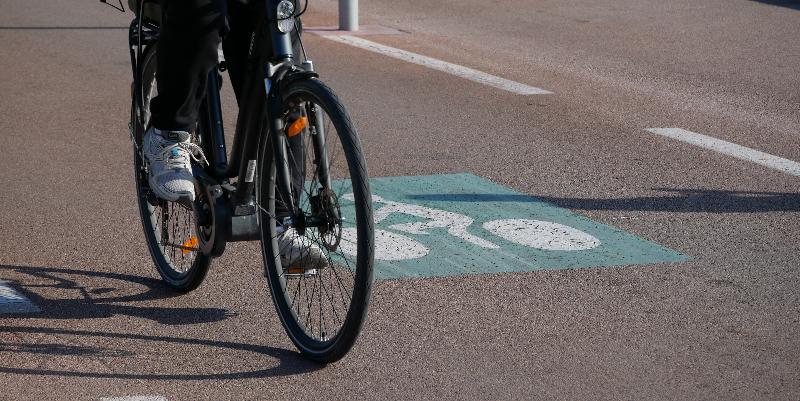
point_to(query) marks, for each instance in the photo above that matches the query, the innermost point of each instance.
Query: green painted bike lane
(458, 224)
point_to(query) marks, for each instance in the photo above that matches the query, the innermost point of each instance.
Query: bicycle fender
(293, 76)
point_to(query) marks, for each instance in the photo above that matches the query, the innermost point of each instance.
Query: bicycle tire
(320, 343)
(167, 225)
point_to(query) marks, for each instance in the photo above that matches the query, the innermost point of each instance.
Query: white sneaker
(169, 155)
(299, 254)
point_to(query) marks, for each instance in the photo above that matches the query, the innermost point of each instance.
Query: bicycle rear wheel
(322, 308)
(170, 229)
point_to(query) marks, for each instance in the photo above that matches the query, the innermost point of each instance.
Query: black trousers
(191, 32)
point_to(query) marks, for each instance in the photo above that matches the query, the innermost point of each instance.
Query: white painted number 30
(391, 246)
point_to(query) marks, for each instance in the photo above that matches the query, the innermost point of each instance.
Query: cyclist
(190, 36)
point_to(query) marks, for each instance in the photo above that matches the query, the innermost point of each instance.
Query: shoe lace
(184, 148)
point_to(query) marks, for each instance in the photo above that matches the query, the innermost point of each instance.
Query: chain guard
(213, 218)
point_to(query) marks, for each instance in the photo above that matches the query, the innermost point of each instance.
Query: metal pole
(348, 15)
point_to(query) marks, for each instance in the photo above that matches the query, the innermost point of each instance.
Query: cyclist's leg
(243, 17)
(190, 35)
(188, 42)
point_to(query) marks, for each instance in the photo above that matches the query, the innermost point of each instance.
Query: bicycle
(252, 196)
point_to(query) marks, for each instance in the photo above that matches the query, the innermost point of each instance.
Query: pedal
(299, 272)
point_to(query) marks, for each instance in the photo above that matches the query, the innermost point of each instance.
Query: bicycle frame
(260, 101)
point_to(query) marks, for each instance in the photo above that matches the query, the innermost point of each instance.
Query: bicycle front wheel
(322, 307)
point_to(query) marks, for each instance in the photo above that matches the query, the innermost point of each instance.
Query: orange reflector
(296, 127)
(191, 244)
(297, 271)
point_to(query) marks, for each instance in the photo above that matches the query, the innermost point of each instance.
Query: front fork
(317, 131)
(280, 146)
(283, 172)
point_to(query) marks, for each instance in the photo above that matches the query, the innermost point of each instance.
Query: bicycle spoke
(338, 278)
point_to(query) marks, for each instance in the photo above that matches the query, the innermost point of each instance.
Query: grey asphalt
(723, 325)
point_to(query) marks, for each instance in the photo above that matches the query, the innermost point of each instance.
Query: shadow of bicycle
(92, 302)
(793, 4)
(288, 362)
(674, 200)
(97, 302)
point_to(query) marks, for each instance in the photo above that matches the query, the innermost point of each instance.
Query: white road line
(135, 398)
(730, 149)
(13, 302)
(450, 68)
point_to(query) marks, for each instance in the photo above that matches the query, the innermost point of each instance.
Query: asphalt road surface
(720, 322)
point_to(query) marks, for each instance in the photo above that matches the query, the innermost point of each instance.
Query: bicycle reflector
(285, 16)
(296, 127)
(190, 245)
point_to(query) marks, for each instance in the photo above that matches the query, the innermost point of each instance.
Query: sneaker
(169, 155)
(300, 255)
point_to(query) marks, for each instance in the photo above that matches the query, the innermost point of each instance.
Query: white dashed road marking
(135, 398)
(13, 302)
(450, 68)
(731, 149)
